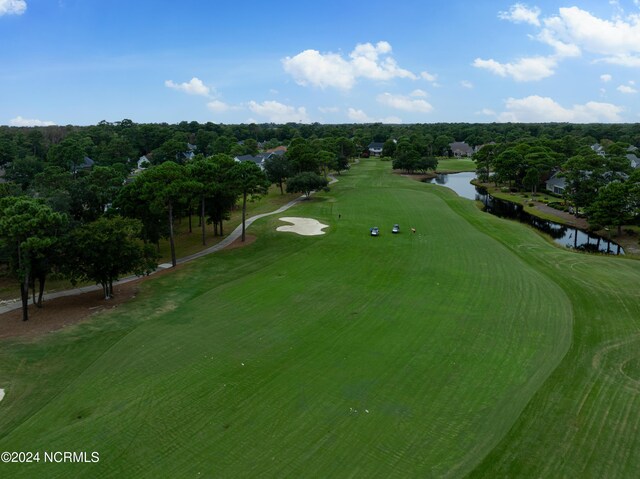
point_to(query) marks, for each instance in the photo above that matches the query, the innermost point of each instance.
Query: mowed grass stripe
(575, 425)
(443, 336)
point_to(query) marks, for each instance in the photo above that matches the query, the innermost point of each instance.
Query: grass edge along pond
(469, 347)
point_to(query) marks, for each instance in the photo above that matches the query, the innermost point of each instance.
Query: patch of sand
(1, 394)
(302, 226)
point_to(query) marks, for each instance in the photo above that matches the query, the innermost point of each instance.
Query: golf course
(473, 347)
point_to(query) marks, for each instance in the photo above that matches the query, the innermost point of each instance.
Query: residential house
(634, 161)
(278, 150)
(375, 148)
(143, 163)
(190, 153)
(258, 159)
(556, 184)
(86, 164)
(599, 149)
(460, 149)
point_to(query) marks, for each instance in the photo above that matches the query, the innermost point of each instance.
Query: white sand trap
(1, 394)
(302, 226)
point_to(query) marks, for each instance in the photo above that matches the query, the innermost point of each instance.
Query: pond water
(565, 235)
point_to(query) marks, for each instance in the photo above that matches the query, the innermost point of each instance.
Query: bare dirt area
(248, 239)
(63, 312)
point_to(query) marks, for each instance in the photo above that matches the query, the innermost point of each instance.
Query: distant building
(556, 184)
(634, 161)
(460, 149)
(278, 150)
(259, 159)
(599, 149)
(86, 164)
(375, 148)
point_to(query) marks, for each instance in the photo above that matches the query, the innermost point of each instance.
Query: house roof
(255, 159)
(633, 160)
(278, 150)
(461, 146)
(556, 180)
(376, 145)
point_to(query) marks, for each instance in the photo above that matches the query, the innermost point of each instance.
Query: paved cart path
(234, 235)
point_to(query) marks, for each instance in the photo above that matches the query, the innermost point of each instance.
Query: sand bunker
(1, 394)
(302, 226)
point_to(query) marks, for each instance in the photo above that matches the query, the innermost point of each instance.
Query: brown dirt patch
(248, 239)
(62, 312)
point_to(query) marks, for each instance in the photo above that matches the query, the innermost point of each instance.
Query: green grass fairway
(455, 165)
(472, 347)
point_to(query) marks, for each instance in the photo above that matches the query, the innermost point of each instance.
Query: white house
(556, 184)
(375, 148)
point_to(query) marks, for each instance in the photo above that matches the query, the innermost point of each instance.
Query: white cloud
(278, 112)
(563, 49)
(520, 13)
(486, 112)
(19, 121)
(405, 103)
(369, 61)
(359, 116)
(193, 87)
(419, 93)
(606, 77)
(12, 7)
(311, 67)
(218, 106)
(544, 109)
(329, 109)
(626, 89)
(571, 32)
(617, 40)
(466, 84)
(525, 69)
(429, 77)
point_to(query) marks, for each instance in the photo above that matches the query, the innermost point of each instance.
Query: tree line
(601, 185)
(69, 193)
(100, 222)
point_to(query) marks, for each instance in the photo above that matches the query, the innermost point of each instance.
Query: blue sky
(83, 61)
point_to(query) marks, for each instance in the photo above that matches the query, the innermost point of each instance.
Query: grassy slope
(455, 165)
(445, 336)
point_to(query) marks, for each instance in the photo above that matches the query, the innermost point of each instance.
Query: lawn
(470, 347)
(455, 165)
